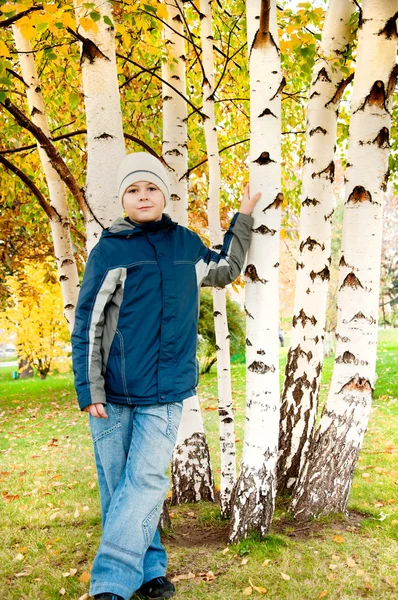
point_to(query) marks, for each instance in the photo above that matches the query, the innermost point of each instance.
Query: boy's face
(143, 202)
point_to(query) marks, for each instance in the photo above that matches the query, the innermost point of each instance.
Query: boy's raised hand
(247, 203)
(96, 410)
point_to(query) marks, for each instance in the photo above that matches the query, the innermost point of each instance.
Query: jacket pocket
(116, 368)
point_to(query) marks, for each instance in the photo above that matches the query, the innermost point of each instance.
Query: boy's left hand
(247, 203)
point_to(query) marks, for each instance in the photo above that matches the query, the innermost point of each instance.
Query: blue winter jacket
(135, 335)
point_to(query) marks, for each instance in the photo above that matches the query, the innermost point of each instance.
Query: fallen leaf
(323, 594)
(285, 577)
(22, 574)
(191, 514)
(360, 572)
(66, 574)
(248, 591)
(84, 597)
(338, 539)
(7, 497)
(350, 562)
(73, 571)
(244, 561)
(379, 504)
(266, 562)
(62, 591)
(19, 557)
(84, 577)
(394, 522)
(225, 550)
(331, 576)
(259, 589)
(335, 557)
(332, 567)
(76, 513)
(366, 475)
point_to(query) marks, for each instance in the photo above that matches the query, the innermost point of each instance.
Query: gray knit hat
(142, 166)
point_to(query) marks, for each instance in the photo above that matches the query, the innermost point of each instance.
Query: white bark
(105, 141)
(326, 478)
(192, 475)
(254, 494)
(60, 226)
(191, 472)
(175, 114)
(305, 355)
(225, 408)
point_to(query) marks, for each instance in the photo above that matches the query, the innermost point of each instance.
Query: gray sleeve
(218, 269)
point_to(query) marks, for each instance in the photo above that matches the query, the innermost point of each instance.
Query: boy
(134, 360)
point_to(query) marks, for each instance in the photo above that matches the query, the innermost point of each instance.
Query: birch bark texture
(191, 472)
(225, 407)
(306, 352)
(59, 221)
(325, 481)
(105, 141)
(175, 113)
(254, 494)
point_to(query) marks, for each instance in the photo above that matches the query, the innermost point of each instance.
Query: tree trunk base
(191, 472)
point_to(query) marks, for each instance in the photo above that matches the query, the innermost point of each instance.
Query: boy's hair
(142, 166)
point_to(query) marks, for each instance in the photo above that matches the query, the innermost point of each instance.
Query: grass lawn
(50, 513)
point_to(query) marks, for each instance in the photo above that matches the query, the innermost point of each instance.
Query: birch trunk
(325, 481)
(59, 222)
(225, 408)
(191, 472)
(305, 355)
(105, 141)
(192, 476)
(175, 114)
(254, 493)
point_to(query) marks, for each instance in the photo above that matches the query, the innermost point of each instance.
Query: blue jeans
(132, 448)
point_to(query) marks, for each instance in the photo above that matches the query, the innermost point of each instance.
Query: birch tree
(254, 493)
(305, 355)
(192, 476)
(326, 478)
(105, 141)
(225, 408)
(58, 217)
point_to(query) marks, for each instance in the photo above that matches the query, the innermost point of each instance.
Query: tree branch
(55, 159)
(161, 79)
(205, 159)
(18, 16)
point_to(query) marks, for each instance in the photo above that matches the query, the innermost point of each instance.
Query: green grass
(50, 513)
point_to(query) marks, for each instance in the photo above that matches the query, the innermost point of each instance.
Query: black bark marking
(351, 281)
(314, 94)
(360, 316)
(386, 177)
(322, 76)
(251, 273)
(248, 315)
(64, 278)
(308, 291)
(299, 265)
(35, 111)
(174, 152)
(103, 136)
(376, 97)
(280, 88)
(392, 81)
(276, 203)
(359, 194)
(264, 159)
(328, 172)
(324, 274)
(342, 262)
(383, 138)
(166, 98)
(66, 261)
(69, 306)
(304, 319)
(175, 198)
(318, 129)
(390, 28)
(342, 338)
(329, 216)
(340, 90)
(310, 201)
(308, 159)
(216, 313)
(264, 230)
(276, 265)
(267, 112)
(248, 342)
(346, 358)
(218, 348)
(311, 243)
(357, 384)
(217, 247)
(261, 352)
(260, 368)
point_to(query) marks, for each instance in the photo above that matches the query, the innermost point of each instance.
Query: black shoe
(157, 589)
(107, 596)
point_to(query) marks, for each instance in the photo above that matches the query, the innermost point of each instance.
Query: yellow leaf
(285, 577)
(4, 51)
(350, 562)
(332, 567)
(266, 562)
(259, 589)
(323, 594)
(162, 11)
(248, 591)
(88, 25)
(360, 572)
(338, 539)
(84, 577)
